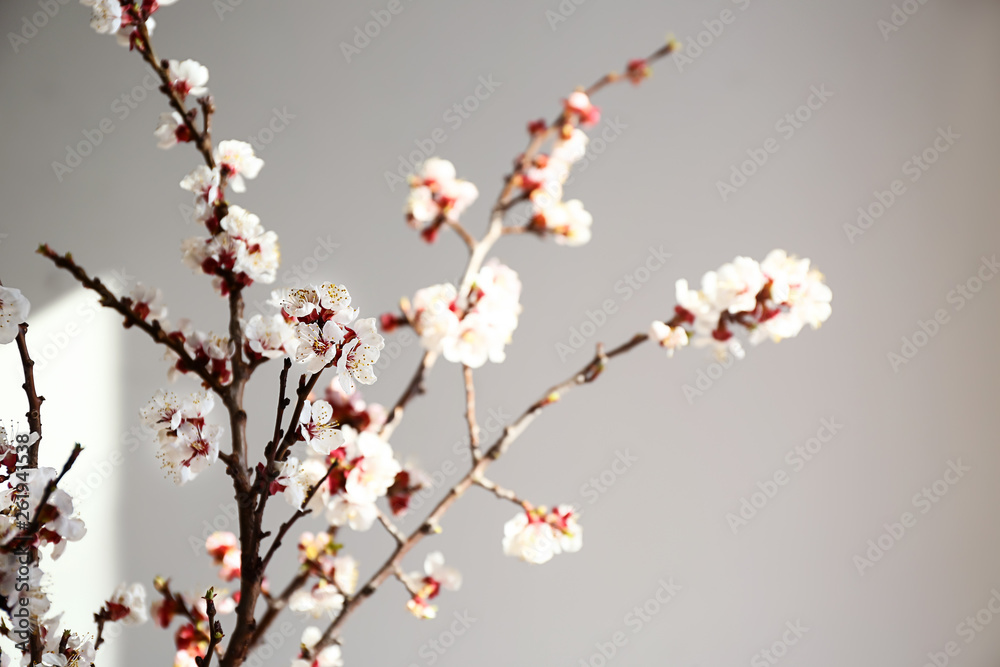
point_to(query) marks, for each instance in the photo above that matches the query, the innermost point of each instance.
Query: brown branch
(301, 512)
(431, 525)
(201, 139)
(153, 329)
(34, 413)
(499, 491)
(276, 605)
(470, 412)
(413, 389)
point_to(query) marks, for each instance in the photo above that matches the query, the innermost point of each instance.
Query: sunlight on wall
(78, 371)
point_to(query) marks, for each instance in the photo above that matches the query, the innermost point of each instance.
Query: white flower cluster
(481, 333)
(241, 250)
(365, 469)
(425, 587)
(337, 577)
(773, 299)
(109, 17)
(14, 309)
(21, 492)
(568, 222)
(436, 195)
(330, 656)
(188, 444)
(207, 350)
(326, 331)
(536, 535)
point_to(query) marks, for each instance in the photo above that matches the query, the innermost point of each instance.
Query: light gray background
(656, 185)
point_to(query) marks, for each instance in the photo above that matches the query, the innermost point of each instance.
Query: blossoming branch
(329, 456)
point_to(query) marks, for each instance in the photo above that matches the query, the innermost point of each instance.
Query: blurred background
(814, 571)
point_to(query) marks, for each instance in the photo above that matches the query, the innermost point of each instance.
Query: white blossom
(14, 309)
(237, 161)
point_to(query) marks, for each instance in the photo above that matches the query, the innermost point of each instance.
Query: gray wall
(654, 186)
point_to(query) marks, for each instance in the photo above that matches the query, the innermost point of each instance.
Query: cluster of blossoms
(111, 17)
(188, 444)
(224, 548)
(437, 195)
(328, 657)
(21, 491)
(327, 332)
(536, 535)
(773, 299)
(425, 587)
(207, 350)
(336, 576)
(475, 334)
(543, 180)
(364, 469)
(191, 638)
(240, 253)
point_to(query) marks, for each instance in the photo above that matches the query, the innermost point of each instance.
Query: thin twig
(431, 524)
(470, 412)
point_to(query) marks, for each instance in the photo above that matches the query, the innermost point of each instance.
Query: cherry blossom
(567, 222)
(774, 299)
(358, 356)
(107, 15)
(329, 334)
(329, 656)
(224, 548)
(237, 161)
(187, 77)
(128, 604)
(147, 303)
(536, 535)
(437, 195)
(241, 249)
(484, 331)
(269, 337)
(188, 445)
(323, 599)
(206, 349)
(319, 428)
(426, 587)
(668, 337)
(578, 104)
(171, 130)
(14, 309)
(204, 184)
(292, 482)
